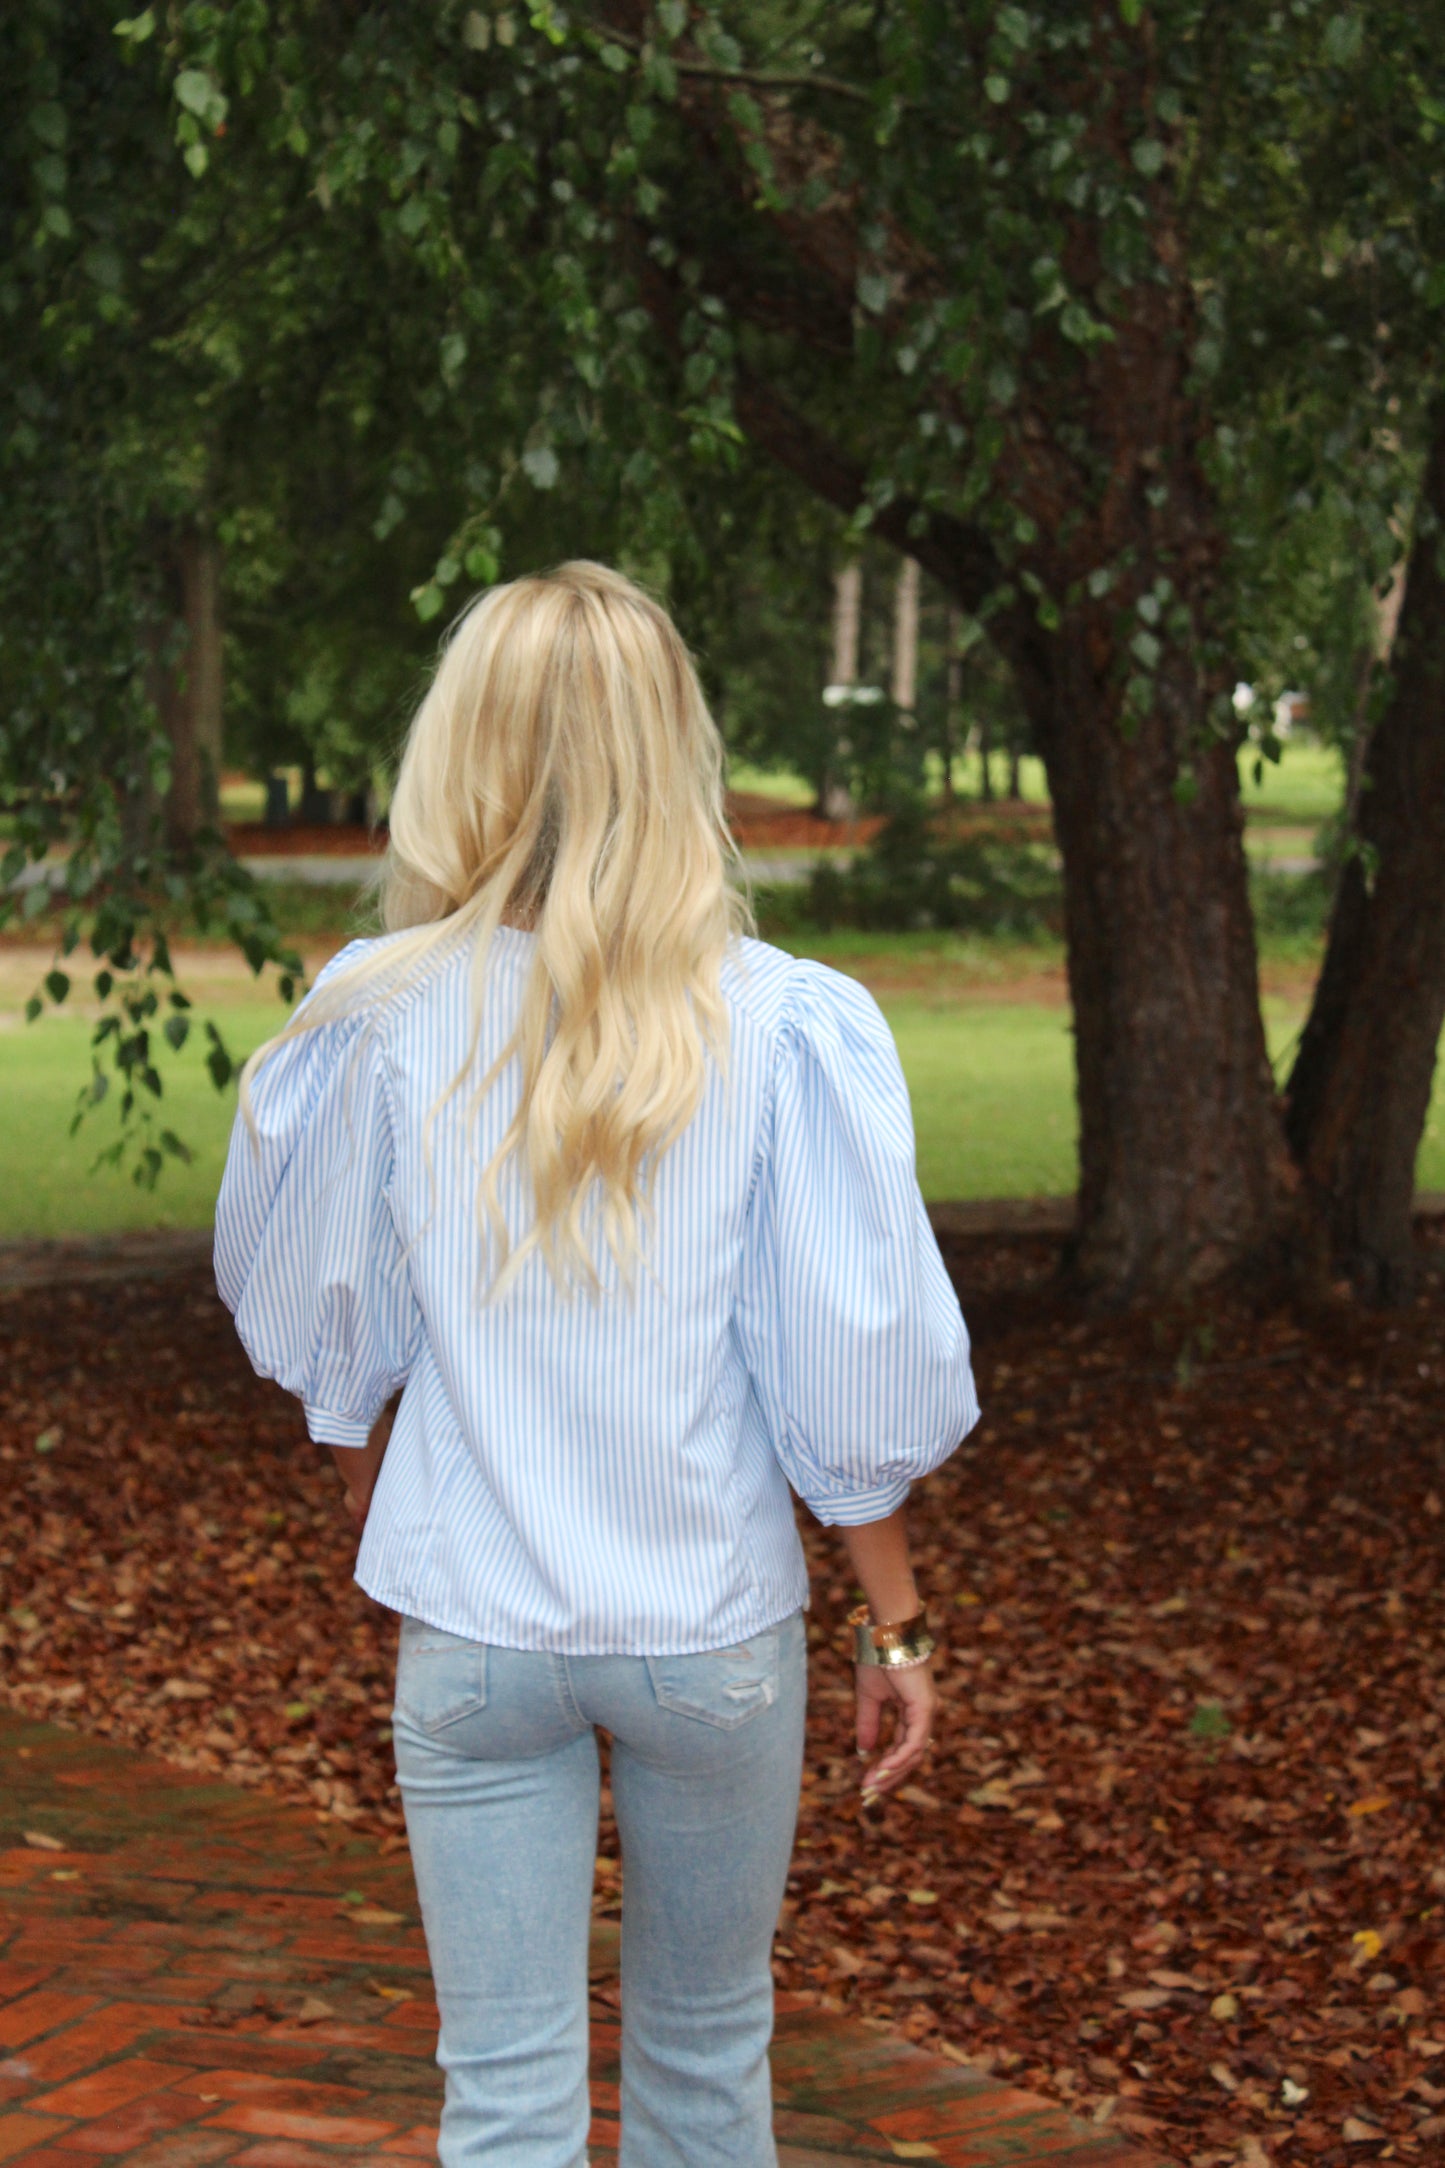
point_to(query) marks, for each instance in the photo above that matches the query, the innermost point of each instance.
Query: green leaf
(104, 265)
(135, 29)
(482, 564)
(170, 1142)
(541, 466)
(476, 30)
(195, 91)
(33, 1008)
(996, 89)
(1147, 649)
(615, 58)
(56, 219)
(1209, 1722)
(873, 292)
(660, 76)
(197, 159)
(1131, 12)
(428, 601)
(57, 985)
(1344, 35)
(1148, 156)
(218, 1061)
(49, 123)
(177, 1030)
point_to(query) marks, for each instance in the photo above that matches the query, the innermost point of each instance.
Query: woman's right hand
(913, 1694)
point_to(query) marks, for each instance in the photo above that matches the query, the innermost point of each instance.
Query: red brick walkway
(192, 1974)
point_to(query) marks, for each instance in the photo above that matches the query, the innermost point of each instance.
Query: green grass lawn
(990, 1079)
(47, 1187)
(1306, 787)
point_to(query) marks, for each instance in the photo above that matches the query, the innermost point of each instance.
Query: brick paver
(189, 1975)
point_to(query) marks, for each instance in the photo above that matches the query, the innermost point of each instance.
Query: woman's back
(625, 1206)
(602, 1472)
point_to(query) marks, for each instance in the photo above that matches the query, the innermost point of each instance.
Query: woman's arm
(360, 1465)
(879, 1552)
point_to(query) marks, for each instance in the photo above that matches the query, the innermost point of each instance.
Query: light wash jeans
(497, 1761)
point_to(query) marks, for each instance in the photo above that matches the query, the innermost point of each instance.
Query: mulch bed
(758, 822)
(1177, 1859)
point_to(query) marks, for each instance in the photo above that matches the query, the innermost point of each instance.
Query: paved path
(192, 1974)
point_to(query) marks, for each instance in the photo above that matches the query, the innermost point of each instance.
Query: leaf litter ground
(1177, 1858)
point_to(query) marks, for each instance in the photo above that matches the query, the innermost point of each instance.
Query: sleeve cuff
(328, 1428)
(853, 1509)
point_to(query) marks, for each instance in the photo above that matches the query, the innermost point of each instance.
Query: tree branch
(752, 78)
(959, 556)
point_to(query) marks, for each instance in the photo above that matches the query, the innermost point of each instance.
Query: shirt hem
(413, 1605)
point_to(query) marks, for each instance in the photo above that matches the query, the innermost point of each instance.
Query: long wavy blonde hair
(563, 774)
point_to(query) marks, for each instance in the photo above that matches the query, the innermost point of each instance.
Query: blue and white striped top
(603, 1476)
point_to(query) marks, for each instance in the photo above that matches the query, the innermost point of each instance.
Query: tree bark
(1360, 1088)
(187, 682)
(835, 800)
(952, 701)
(1183, 1171)
(904, 686)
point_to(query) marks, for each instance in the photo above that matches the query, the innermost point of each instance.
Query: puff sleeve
(307, 1254)
(848, 1322)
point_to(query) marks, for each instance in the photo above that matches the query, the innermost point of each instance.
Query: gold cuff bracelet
(897, 1646)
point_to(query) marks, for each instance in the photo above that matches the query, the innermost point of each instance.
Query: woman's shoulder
(784, 995)
(379, 978)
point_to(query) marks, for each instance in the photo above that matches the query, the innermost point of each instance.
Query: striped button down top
(610, 1475)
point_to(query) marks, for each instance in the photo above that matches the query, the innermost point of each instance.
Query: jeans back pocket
(440, 1677)
(719, 1686)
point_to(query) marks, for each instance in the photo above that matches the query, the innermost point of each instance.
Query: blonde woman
(624, 1204)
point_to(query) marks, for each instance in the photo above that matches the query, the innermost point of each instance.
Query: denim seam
(566, 1694)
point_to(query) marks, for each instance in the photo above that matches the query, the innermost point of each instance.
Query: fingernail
(870, 1798)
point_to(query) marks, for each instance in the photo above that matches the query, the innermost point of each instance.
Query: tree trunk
(1183, 1171)
(835, 800)
(904, 687)
(187, 683)
(1015, 774)
(1360, 1089)
(952, 700)
(985, 750)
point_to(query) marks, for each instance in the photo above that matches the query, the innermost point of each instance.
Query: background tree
(935, 263)
(1022, 293)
